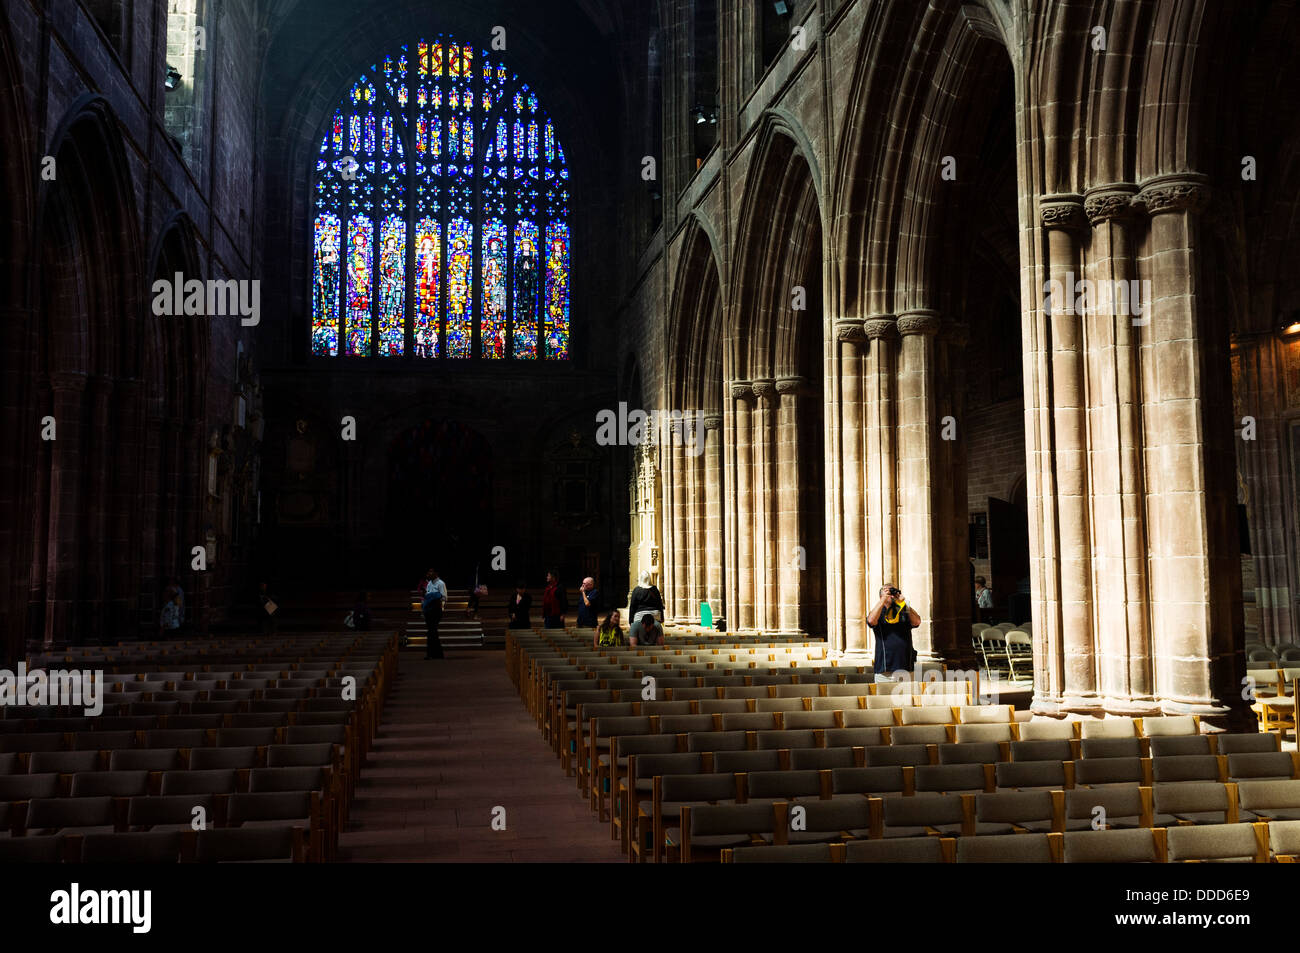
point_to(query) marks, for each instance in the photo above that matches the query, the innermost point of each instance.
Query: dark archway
(439, 502)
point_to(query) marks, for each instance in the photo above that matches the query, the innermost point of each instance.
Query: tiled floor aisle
(455, 743)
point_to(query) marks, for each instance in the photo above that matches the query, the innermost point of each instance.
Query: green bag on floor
(706, 615)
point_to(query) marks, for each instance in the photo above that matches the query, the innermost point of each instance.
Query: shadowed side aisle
(454, 744)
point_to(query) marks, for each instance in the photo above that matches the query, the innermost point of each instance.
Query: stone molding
(742, 390)
(764, 389)
(713, 421)
(1109, 203)
(1063, 211)
(880, 326)
(791, 385)
(847, 329)
(919, 321)
(1179, 192)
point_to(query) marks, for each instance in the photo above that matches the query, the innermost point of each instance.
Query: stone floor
(455, 743)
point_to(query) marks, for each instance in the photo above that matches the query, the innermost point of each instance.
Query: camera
(895, 592)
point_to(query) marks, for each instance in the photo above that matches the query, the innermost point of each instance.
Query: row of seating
(273, 842)
(646, 761)
(656, 788)
(152, 771)
(1278, 841)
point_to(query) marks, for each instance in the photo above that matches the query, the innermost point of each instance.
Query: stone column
(713, 529)
(1259, 392)
(693, 438)
(680, 575)
(766, 482)
(1118, 510)
(950, 635)
(881, 458)
(742, 394)
(1195, 567)
(191, 505)
(94, 558)
(1066, 490)
(792, 547)
(921, 524)
(130, 495)
(174, 558)
(851, 340)
(63, 531)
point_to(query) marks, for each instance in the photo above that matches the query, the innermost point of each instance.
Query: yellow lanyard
(891, 619)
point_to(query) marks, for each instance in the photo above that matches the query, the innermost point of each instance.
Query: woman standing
(645, 598)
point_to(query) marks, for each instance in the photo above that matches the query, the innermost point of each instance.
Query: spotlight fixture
(173, 78)
(1293, 328)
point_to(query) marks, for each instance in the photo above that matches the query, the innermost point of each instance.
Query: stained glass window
(557, 291)
(526, 271)
(325, 286)
(440, 227)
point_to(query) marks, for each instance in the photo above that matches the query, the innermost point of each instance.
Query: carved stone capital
(713, 421)
(880, 326)
(791, 385)
(1109, 203)
(847, 329)
(1062, 211)
(919, 321)
(764, 389)
(1179, 192)
(742, 390)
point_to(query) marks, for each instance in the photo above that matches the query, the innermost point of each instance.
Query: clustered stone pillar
(921, 521)
(64, 528)
(850, 340)
(1118, 511)
(765, 505)
(742, 395)
(1194, 565)
(878, 416)
(679, 581)
(1066, 602)
(792, 559)
(713, 522)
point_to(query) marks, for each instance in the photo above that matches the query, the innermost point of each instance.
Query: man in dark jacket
(892, 620)
(588, 604)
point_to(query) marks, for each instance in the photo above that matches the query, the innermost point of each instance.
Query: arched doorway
(439, 502)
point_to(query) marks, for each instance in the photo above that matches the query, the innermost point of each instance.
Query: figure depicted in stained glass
(557, 296)
(458, 278)
(325, 287)
(392, 288)
(359, 275)
(493, 333)
(428, 266)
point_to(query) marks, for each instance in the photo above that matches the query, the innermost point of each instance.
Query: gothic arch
(86, 357)
(781, 212)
